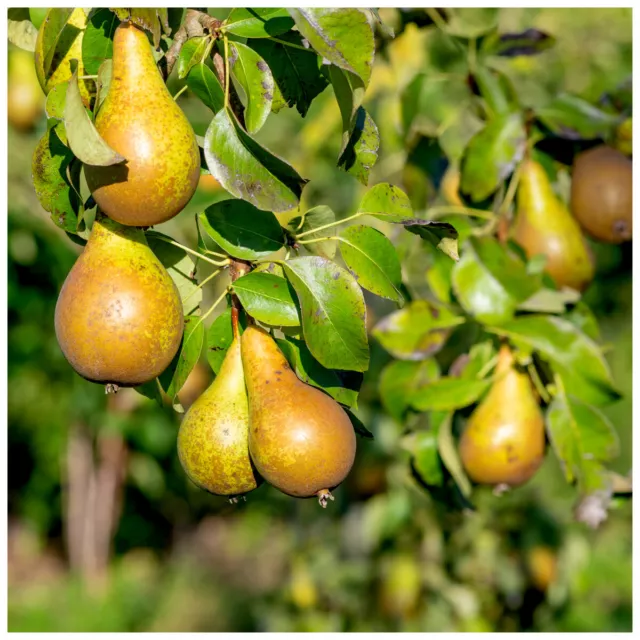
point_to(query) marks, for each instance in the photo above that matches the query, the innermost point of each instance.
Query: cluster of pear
(258, 420)
(119, 318)
(504, 440)
(601, 206)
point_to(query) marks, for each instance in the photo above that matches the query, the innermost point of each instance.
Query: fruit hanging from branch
(118, 318)
(142, 122)
(301, 440)
(504, 440)
(544, 225)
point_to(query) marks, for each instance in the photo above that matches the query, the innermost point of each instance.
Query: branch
(234, 98)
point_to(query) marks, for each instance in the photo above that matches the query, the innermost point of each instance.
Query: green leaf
(296, 72)
(268, 299)
(242, 230)
(526, 43)
(423, 446)
(151, 390)
(343, 36)
(386, 202)
(571, 117)
(36, 15)
(258, 22)
(50, 164)
(441, 235)
(349, 92)
(20, 30)
(185, 360)
(492, 154)
(570, 352)
(358, 425)
(56, 99)
(471, 23)
(180, 267)
(470, 365)
(361, 151)
(97, 41)
(317, 217)
(333, 312)
(55, 34)
(103, 82)
(193, 52)
(442, 422)
(584, 319)
(247, 170)
(255, 78)
(582, 438)
(204, 83)
(493, 91)
(478, 291)
(549, 300)
(448, 394)
(399, 380)
(373, 260)
(342, 386)
(220, 336)
(417, 331)
(430, 100)
(84, 140)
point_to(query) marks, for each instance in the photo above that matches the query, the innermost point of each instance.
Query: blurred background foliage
(385, 555)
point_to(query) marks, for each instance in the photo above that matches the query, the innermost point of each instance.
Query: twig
(234, 99)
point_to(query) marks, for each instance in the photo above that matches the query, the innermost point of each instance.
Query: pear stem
(215, 263)
(487, 367)
(179, 93)
(325, 239)
(205, 281)
(332, 224)
(537, 383)
(209, 311)
(234, 322)
(462, 211)
(290, 44)
(226, 72)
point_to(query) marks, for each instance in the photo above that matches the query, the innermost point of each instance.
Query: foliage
(464, 90)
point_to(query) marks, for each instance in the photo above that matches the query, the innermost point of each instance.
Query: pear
(68, 46)
(142, 122)
(601, 194)
(300, 439)
(119, 317)
(504, 440)
(25, 100)
(213, 442)
(544, 225)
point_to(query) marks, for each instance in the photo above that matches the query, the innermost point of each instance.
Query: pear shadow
(98, 176)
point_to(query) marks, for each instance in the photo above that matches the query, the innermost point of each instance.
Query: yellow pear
(67, 47)
(504, 439)
(602, 194)
(213, 440)
(119, 317)
(300, 439)
(25, 100)
(142, 122)
(544, 225)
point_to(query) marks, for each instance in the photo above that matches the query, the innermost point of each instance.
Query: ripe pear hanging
(119, 317)
(544, 225)
(213, 440)
(504, 440)
(301, 440)
(601, 194)
(142, 122)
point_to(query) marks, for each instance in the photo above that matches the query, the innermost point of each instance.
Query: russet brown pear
(300, 439)
(213, 440)
(602, 194)
(544, 225)
(504, 439)
(142, 122)
(119, 317)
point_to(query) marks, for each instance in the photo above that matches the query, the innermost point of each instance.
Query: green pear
(213, 440)
(544, 225)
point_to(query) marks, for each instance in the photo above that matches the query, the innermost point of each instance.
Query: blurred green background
(107, 534)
